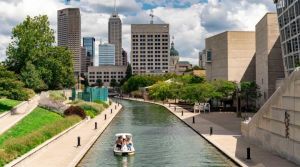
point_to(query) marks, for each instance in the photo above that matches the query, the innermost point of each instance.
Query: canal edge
(82, 154)
(232, 159)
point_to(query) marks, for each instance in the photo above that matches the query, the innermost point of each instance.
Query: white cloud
(190, 25)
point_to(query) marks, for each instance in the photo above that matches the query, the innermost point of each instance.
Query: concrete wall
(269, 63)
(218, 68)
(233, 56)
(271, 129)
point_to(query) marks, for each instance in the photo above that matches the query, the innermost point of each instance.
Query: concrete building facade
(231, 56)
(89, 44)
(106, 73)
(107, 54)
(69, 34)
(150, 48)
(115, 36)
(269, 63)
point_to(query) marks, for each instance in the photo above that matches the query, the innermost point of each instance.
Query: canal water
(160, 140)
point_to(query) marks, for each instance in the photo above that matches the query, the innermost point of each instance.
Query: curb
(81, 155)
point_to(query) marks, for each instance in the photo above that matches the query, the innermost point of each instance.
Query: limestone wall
(276, 126)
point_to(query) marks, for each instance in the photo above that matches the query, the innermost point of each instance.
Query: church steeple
(173, 51)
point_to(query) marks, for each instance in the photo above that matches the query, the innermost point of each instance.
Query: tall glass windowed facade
(107, 54)
(89, 44)
(289, 23)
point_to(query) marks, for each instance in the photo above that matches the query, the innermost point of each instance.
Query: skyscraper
(106, 54)
(89, 44)
(289, 27)
(115, 36)
(150, 48)
(69, 34)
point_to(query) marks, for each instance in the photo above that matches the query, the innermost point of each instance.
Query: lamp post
(238, 105)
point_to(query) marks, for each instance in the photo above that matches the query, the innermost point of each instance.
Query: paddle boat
(124, 144)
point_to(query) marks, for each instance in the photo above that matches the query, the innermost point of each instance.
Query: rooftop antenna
(115, 7)
(152, 16)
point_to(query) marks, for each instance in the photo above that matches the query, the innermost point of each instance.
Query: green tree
(128, 72)
(160, 91)
(31, 77)
(113, 83)
(225, 89)
(30, 42)
(11, 87)
(31, 49)
(249, 93)
(198, 92)
(99, 82)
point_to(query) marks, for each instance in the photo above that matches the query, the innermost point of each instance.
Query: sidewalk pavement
(227, 137)
(64, 152)
(8, 120)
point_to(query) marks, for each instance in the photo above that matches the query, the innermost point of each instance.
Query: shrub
(57, 96)
(75, 110)
(101, 102)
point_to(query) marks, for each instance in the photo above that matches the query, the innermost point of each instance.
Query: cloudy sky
(191, 21)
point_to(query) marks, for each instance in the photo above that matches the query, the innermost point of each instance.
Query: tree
(113, 83)
(31, 78)
(30, 42)
(160, 91)
(225, 89)
(128, 72)
(99, 82)
(11, 87)
(198, 92)
(31, 50)
(249, 92)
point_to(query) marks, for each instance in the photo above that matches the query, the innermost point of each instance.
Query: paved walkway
(227, 137)
(63, 152)
(23, 109)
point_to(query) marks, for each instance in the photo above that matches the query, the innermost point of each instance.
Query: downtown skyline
(191, 21)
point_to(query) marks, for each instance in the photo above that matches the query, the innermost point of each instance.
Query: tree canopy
(31, 55)
(11, 87)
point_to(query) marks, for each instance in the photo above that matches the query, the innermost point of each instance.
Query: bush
(101, 102)
(75, 110)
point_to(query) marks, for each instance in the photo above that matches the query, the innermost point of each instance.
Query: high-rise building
(115, 36)
(85, 60)
(269, 63)
(231, 56)
(89, 44)
(150, 48)
(289, 27)
(125, 57)
(106, 54)
(69, 33)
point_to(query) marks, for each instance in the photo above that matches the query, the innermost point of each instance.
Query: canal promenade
(64, 150)
(226, 136)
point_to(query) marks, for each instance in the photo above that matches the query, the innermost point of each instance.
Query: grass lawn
(7, 104)
(33, 130)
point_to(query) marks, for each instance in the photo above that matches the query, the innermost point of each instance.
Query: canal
(160, 140)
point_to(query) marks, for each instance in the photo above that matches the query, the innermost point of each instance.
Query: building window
(208, 56)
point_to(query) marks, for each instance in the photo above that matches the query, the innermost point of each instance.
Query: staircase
(276, 126)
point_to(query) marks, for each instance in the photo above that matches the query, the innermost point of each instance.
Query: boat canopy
(123, 134)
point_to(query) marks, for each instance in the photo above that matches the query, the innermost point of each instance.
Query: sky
(191, 21)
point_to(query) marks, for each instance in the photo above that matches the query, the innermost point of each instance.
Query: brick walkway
(227, 137)
(63, 152)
